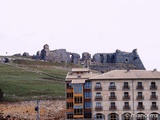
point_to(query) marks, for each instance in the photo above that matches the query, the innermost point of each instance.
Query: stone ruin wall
(99, 61)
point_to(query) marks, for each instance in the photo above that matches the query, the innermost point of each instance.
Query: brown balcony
(153, 87)
(113, 108)
(140, 107)
(126, 97)
(140, 97)
(98, 88)
(126, 87)
(139, 87)
(153, 97)
(99, 108)
(112, 87)
(154, 107)
(98, 98)
(126, 107)
(112, 97)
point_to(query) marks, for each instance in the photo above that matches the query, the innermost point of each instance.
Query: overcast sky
(94, 26)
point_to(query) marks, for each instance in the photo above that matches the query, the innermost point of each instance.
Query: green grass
(21, 81)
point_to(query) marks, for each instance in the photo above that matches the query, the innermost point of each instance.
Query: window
(78, 88)
(69, 85)
(112, 94)
(69, 95)
(113, 105)
(126, 86)
(140, 96)
(69, 116)
(112, 86)
(154, 106)
(98, 104)
(113, 116)
(153, 85)
(140, 106)
(99, 116)
(139, 93)
(70, 105)
(153, 96)
(87, 85)
(87, 94)
(126, 94)
(78, 100)
(78, 111)
(98, 94)
(98, 85)
(139, 85)
(126, 106)
(87, 104)
(141, 116)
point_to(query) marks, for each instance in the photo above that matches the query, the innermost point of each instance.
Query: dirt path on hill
(49, 110)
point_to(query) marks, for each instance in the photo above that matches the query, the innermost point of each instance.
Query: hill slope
(30, 80)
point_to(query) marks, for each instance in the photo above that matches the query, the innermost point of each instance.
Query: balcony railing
(153, 87)
(113, 108)
(126, 87)
(140, 97)
(140, 107)
(99, 108)
(98, 88)
(112, 97)
(140, 87)
(126, 97)
(98, 98)
(154, 107)
(112, 87)
(126, 107)
(153, 97)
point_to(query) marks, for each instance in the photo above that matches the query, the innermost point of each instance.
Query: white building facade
(126, 95)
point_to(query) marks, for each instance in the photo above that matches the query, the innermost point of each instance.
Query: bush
(1, 94)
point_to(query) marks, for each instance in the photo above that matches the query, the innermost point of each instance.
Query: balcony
(126, 107)
(139, 87)
(153, 97)
(153, 87)
(126, 97)
(154, 107)
(98, 88)
(99, 108)
(112, 87)
(140, 107)
(112, 108)
(98, 98)
(126, 87)
(140, 97)
(112, 98)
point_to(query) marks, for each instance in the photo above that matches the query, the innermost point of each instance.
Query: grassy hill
(32, 80)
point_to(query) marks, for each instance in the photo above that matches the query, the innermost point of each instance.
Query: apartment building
(115, 95)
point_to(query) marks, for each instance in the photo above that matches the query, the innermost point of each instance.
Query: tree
(1, 94)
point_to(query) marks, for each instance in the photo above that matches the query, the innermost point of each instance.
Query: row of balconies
(152, 97)
(113, 108)
(98, 88)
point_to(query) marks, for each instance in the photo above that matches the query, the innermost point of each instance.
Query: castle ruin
(99, 61)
